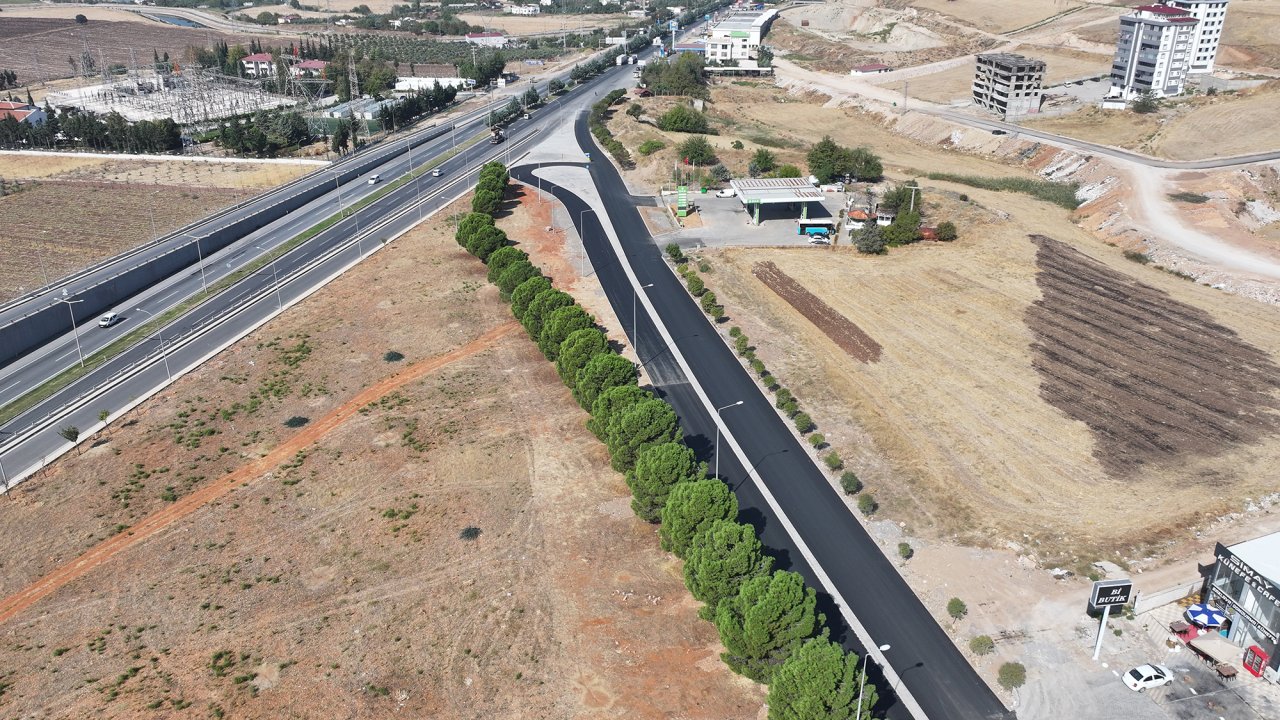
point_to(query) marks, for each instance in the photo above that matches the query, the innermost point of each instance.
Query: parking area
(723, 222)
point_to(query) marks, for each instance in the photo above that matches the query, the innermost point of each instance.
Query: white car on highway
(1147, 676)
(108, 320)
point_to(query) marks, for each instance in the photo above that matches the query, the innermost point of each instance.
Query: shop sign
(1260, 584)
(1111, 593)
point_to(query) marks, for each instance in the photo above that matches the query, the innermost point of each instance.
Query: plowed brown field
(1155, 379)
(839, 328)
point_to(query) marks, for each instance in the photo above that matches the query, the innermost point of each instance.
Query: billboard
(1111, 593)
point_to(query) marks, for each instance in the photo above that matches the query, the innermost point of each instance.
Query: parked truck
(622, 59)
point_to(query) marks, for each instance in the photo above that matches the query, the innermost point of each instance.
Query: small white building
(524, 9)
(424, 77)
(487, 39)
(872, 69)
(258, 65)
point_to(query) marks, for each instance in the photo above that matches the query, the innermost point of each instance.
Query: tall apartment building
(1154, 52)
(1008, 84)
(1210, 13)
(738, 36)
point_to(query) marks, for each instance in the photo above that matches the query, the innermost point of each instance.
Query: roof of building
(1012, 60)
(312, 65)
(744, 21)
(1184, 20)
(1160, 10)
(19, 111)
(479, 35)
(886, 212)
(859, 215)
(690, 47)
(1262, 554)
(775, 190)
(257, 57)
(873, 67)
(429, 70)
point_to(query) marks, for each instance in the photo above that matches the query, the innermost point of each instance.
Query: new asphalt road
(928, 663)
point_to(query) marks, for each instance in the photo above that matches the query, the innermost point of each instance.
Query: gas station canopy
(765, 191)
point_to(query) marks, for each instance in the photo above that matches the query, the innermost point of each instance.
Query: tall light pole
(163, 353)
(200, 254)
(417, 187)
(635, 331)
(717, 451)
(582, 264)
(276, 278)
(862, 679)
(75, 331)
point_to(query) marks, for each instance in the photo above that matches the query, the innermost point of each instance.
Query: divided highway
(928, 664)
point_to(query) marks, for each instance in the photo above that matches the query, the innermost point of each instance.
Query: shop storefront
(1246, 585)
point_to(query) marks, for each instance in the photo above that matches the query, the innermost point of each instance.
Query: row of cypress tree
(767, 619)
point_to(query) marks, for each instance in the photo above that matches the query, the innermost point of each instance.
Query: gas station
(777, 198)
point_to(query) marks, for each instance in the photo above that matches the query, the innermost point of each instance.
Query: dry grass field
(530, 24)
(996, 16)
(72, 212)
(1062, 65)
(1118, 128)
(442, 537)
(1248, 35)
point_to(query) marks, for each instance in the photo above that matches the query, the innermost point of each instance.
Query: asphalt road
(929, 664)
(31, 439)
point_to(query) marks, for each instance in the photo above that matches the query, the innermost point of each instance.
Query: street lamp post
(582, 264)
(635, 331)
(862, 679)
(200, 254)
(717, 450)
(417, 187)
(163, 354)
(75, 331)
(276, 278)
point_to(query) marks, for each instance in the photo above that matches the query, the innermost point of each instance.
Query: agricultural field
(308, 525)
(37, 49)
(109, 206)
(534, 24)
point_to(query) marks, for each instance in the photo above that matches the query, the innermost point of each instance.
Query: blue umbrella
(1206, 615)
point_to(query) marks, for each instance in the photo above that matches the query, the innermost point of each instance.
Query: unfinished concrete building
(1008, 85)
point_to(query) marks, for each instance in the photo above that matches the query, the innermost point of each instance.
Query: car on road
(1147, 676)
(108, 320)
(819, 240)
(726, 193)
(435, 172)
(373, 179)
(999, 132)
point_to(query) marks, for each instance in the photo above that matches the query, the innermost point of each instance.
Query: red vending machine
(1255, 660)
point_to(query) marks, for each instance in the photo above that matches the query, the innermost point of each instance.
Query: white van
(108, 320)
(373, 179)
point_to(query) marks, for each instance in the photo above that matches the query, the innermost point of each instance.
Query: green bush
(737, 145)
(649, 147)
(790, 408)
(740, 344)
(683, 118)
(833, 460)
(697, 151)
(1012, 675)
(803, 422)
(696, 286)
(956, 608)
(296, 421)
(817, 440)
(904, 551)
(850, 483)
(867, 504)
(735, 331)
(946, 230)
(392, 356)
(982, 645)
(1063, 194)
(758, 366)
(708, 301)
(768, 381)
(674, 252)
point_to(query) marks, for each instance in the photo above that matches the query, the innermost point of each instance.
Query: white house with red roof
(872, 69)
(487, 39)
(22, 112)
(258, 65)
(1154, 52)
(309, 68)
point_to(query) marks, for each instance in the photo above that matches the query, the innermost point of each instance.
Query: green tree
(762, 161)
(957, 609)
(865, 165)
(1012, 675)
(502, 258)
(820, 680)
(787, 171)
(1145, 103)
(601, 373)
(469, 225)
(766, 622)
(683, 118)
(660, 467)
(946, 230)
(635, 110)
(646, 423)
(486, 241)
(540, 309)
(611, 404)
(904, 230)
(525, 292)
(559, 325)
(514, 275)
(341, 138)
(827, 160)
(697, 151)
(869, 239)
(486, 201)
(720, 559)
(692, 507)
(579, 347)
(902, 197)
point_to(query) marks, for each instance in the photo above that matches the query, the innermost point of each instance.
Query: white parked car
(726, 193)
(1148, 676)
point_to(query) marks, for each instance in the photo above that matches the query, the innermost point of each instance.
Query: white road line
(11, 385)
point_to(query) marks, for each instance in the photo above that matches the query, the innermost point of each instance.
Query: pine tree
(819, 680)
(720, 559)
(692, 507)
(659, 468)
(765, 622)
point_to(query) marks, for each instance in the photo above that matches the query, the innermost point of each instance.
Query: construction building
(1154, 52)
(1007, 84)
(738, 36)
(1208, 31)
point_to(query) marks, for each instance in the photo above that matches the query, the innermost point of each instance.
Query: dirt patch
(174, 172)
(840, 329)
(43, 244)
(438, 540)
(1156, 380)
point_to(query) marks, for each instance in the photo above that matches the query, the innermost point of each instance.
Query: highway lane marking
(157, 522)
